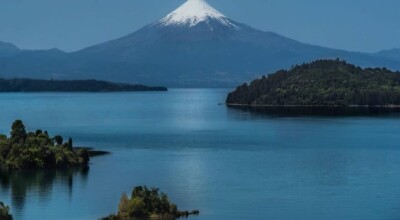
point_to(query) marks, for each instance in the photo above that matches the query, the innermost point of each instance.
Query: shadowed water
(228, 163)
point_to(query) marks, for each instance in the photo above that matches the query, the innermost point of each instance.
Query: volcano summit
(192, 13)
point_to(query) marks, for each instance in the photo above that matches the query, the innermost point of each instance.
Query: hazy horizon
(365, 26)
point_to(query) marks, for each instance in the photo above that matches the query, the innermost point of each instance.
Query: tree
(38, 132)
(3, 137)
(70, 144)
(58, 139)
(18, 132)
(138, 207)
(123, 206)
(5, 212)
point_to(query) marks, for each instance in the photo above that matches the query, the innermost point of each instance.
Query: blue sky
(357, 25)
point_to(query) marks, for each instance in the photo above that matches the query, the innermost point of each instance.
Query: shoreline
(93, 152)
(314, 106)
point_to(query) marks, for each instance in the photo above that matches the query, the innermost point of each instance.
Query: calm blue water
(227, 163)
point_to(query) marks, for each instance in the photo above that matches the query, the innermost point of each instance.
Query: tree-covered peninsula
(322, 83)
(5, 212)
(35, 85)
(37, 150)
(147, 203)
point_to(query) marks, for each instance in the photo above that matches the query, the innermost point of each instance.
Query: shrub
(5, 212)
(145, 203)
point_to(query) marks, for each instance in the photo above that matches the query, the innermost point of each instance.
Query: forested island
(37, 150)
(147, 203)
(36, 85)
(5, 212)
(322, 83)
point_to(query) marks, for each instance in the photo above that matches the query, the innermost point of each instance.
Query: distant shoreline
(93, 152)
(316, 106)
(88, 92)
(25, 85)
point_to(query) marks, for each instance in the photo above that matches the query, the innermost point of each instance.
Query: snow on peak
(193, 12)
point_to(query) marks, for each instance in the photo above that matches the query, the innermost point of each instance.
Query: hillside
(322, 83)
(391, 54)
(8, 49)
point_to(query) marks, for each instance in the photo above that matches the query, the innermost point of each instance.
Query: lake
(228, 163)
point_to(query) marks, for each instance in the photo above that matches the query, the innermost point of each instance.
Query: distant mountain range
(393, 54)
(8, 49)
(193, 46)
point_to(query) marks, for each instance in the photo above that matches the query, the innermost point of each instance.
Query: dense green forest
(147, 203)
(5, 212)
(33, 85)
(322, 83)
(33, 150)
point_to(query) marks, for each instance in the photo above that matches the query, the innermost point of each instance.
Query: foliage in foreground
(322, 83)
(147, 203)
(5, 212)
(34, 150)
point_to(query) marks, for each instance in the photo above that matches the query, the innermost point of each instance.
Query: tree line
(322, 83)
(35, 85)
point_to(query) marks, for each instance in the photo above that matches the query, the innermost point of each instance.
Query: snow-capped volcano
(193, 46)
(192, 12)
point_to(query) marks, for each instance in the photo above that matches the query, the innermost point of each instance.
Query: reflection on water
(20, 183)
(284, 111)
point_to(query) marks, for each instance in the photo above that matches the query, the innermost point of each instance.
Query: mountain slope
(8, 49)
(390, 54)
(193, 46)
(196, 45)
(38, 64)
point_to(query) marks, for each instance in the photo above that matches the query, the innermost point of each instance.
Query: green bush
(145, 203)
